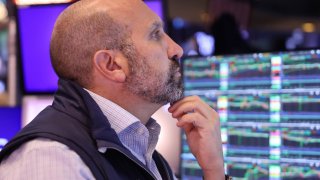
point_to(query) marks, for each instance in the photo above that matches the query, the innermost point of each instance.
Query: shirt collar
(138, 138)
(118, 117)
(121, 120)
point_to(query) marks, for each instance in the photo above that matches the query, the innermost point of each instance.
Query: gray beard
(144, 83)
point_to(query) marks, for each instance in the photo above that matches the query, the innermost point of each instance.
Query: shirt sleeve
(44, 159)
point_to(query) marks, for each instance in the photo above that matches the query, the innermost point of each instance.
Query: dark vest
(75, 120)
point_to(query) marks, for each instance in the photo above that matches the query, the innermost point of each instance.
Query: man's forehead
(118, 4)
(134, 11)
(130, 13)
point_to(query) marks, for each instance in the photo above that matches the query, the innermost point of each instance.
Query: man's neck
(140, 108)
(132, 103)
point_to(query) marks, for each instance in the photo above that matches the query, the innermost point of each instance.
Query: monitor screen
(157, 6)
(39, 2)
(35, 24)
(10, 123)
(7, 59)
(3, 63)
(269, 108)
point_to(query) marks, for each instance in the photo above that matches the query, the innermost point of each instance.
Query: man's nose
(174, 50)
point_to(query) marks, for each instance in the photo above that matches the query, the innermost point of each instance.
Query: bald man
(116, 67)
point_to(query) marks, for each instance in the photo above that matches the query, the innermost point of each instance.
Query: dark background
(267, 25)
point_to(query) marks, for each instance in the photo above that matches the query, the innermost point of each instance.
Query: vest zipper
(133, 161)
(165, 167)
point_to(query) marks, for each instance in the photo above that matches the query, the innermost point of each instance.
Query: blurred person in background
(228, 37)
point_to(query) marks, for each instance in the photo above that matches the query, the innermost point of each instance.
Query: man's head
(80, 31)
(121, 41)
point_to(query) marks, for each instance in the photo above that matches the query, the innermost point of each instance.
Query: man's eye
(156, 35)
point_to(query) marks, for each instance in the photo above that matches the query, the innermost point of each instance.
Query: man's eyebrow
(157, 25)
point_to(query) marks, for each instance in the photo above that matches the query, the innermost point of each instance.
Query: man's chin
(176, 97)
(169, 99)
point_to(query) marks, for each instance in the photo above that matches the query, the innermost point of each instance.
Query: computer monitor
(7, 57)
(4, 64)
(10, 123)
(40, 2)
(35, 24)
(269, 108)
(157, 6)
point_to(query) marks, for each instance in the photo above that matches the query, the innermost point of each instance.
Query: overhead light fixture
(308, 27)
(35, 2)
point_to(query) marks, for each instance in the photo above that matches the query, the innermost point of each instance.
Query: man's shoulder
(42, 144)
(43, 155)
(42, 147)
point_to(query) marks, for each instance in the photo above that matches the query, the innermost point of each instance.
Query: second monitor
(269, 108)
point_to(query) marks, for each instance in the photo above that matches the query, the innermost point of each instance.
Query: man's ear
(109, 65)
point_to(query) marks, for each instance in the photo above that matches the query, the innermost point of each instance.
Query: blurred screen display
(3, 47)
(268, 104)
(10, 123)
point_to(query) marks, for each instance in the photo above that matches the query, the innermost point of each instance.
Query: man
(116, 67)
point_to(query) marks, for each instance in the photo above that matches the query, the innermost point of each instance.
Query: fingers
(188, 105)
(192, 118)
(185, 108)
(192, 112)
(202, 127)
(177, 104)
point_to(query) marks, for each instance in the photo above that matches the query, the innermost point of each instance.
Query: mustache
(175, 65)
(175, 59)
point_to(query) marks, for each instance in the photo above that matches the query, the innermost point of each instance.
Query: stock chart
(269, 108)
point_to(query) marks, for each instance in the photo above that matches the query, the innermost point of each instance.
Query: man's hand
(202, 127)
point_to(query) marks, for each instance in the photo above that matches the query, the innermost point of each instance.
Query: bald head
(82, 29)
